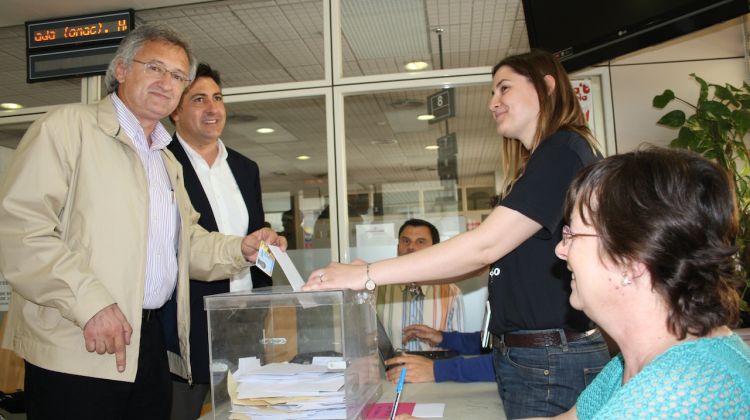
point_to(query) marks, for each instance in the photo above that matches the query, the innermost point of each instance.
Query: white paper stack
(287, 390)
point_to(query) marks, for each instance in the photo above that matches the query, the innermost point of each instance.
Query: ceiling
(259, 42)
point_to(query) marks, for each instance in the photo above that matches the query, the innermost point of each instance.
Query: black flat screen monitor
(586, 32)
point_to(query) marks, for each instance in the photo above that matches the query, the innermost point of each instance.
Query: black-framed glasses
(568, 235)
(157, 71)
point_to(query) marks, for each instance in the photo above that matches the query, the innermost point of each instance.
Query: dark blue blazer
(246, 174)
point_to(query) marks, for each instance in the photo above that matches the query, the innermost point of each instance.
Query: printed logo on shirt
(495, 272)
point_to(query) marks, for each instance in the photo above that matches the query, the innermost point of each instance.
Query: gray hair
(133, 43)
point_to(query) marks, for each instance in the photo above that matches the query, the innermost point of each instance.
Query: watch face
(370, 285)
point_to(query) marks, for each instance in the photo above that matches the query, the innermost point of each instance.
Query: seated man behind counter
(97, 232)
(456, 369)
(439, 306)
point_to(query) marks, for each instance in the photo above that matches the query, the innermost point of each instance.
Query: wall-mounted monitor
(586, 32)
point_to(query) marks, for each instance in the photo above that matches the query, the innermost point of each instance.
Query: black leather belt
(540, 339)
(149, 314)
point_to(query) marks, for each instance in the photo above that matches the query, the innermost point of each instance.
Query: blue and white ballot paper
(265, 260)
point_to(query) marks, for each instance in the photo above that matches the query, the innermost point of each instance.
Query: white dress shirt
(225, 199)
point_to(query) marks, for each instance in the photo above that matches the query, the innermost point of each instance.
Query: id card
(265, 260)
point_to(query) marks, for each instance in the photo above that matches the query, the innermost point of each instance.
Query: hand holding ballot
(251, 242)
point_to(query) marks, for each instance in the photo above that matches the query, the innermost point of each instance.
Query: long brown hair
(558, 110)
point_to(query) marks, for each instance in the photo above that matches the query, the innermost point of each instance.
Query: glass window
(252, 42)
(399, 166)
(381, 37)
(287, 139)
(13, 86)
(11, 134)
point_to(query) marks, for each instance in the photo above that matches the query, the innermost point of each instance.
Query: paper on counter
(434, 410)
(287, 266)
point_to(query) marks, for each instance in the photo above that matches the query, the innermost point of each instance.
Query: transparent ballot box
(279, 354)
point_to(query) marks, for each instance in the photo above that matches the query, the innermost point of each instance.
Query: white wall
(715, 54)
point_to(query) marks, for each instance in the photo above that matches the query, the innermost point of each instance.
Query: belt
(149, 314)
(540, 339)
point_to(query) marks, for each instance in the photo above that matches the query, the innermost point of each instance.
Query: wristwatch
(369, 284)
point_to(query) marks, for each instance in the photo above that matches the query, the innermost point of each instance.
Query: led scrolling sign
(76, 46)
(111, 26)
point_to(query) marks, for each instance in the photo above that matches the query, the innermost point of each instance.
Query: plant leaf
(741, 119)
(714, 110)
(724, 94)
(660, 101)
(673, 119)
(704, 89)
(685, 139)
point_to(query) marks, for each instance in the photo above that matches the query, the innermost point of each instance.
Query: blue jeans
(546, 381)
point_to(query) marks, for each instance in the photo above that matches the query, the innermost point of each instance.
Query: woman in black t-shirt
(545, 352)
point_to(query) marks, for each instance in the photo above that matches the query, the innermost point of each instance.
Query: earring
(625, 280)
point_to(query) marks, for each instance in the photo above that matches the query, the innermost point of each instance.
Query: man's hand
(418, 368)
(424, 333)
(251, 242)
(108, 331)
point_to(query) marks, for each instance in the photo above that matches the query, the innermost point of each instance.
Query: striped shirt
(164, 220)
(438, 306)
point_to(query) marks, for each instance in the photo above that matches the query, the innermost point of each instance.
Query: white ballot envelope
(287, 266)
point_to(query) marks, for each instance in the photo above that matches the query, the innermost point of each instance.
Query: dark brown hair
(558, 109)
(675, 212)
(419, 222)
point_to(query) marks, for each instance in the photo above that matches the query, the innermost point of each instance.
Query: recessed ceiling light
(426, 117)
(303, 157)
(432, 147)
(265, 130)
(10, 105)
(416, 66)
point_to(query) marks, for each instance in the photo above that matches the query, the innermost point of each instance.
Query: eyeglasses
(568, 235)
(157, 71)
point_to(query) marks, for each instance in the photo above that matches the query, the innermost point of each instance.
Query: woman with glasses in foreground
(651, 249)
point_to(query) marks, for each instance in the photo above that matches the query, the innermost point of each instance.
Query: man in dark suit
(224, 187)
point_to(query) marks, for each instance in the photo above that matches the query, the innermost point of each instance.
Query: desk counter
(471, 401)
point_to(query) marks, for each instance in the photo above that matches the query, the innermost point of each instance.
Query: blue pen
(399, 388)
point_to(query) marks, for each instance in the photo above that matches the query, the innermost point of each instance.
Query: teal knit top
(704, 378)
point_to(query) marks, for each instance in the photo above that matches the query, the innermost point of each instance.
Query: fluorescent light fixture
(416, 66)
(383, 142)
(10, 105)
(432, 147)
(426, 117)
(265, 130)
(303, 157)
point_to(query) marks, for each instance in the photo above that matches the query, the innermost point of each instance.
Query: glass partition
(400, 166)
(13, 86)
(287, 138)
(252, 42)
(401, 36)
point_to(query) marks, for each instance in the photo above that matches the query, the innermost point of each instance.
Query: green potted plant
(718, 130)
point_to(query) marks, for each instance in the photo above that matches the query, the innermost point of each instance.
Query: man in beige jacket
(97, 232)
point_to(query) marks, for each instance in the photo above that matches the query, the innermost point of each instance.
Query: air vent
(240, 117)
(407, 104)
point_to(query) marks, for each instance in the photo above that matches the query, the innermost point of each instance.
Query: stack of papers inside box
(288, 390)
